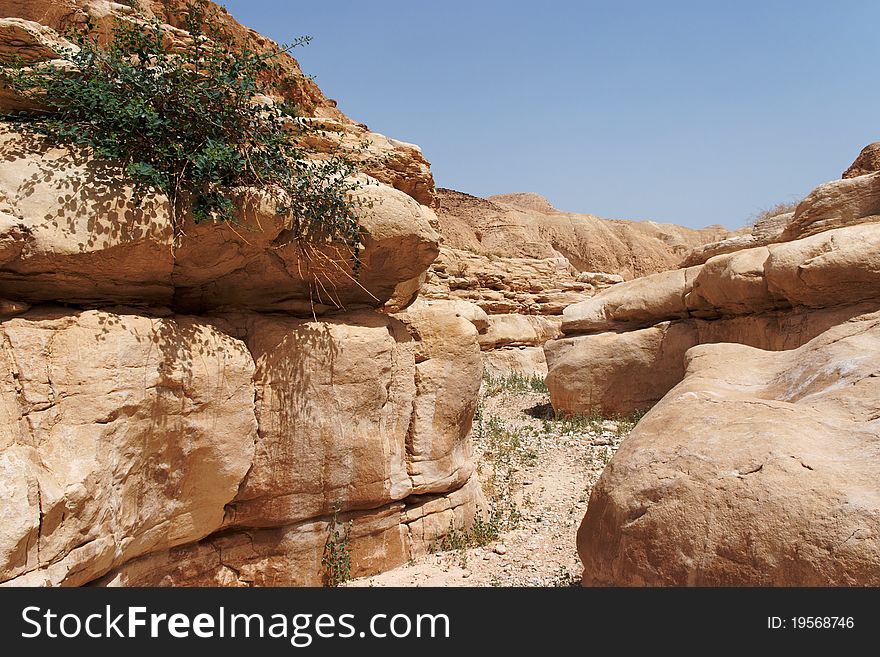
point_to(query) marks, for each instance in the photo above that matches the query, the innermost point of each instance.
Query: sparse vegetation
(513, 383)
(593, 422)
(336, 559)
(775, 211)
(480, 533)
(537, 470)
(565, 578)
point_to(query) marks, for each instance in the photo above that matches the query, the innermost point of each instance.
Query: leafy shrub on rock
(189, 116)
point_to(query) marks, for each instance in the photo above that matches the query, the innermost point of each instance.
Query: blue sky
(682, 111)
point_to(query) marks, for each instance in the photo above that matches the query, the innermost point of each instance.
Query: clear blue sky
(681, 111)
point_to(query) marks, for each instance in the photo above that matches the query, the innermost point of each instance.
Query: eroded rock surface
(195, 404)
(758, 469)
(624, 348)
(121, 435)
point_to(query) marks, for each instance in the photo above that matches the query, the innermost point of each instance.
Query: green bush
(336, 559)
(186, 120)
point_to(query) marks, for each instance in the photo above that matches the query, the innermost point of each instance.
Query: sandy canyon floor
(537, 472)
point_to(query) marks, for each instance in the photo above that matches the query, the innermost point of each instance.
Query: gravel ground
(537, 472)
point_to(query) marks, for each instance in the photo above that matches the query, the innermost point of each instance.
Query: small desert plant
(503, 451)
(775, 211)
(565, 578)
(481, 532)
(627, 423)
(576, 423)
(188, 117)
(514, 382)
(336, 559)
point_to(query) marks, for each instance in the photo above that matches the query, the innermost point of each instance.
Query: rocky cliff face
(30, 29)
(774, 297)
(197, 409)
(756, 466)
(515, 255)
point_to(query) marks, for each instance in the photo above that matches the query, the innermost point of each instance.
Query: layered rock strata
(205, 405)
(624, 348)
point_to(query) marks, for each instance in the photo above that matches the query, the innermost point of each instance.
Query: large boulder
(617, 373)
(639, 302)
(448, 372)
(624, 348)
(621, 373)
(356, 411)
(252, 266)
(867, 162)
(120, 435)
(70, 231)
(759, 469)
(836, 204)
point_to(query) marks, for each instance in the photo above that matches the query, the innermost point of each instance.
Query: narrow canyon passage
(536, 471)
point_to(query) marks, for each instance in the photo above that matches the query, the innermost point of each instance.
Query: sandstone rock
(121, 435)
(640, 302)
(523, 226)
(732, 284)
(31, 44)
(730, 245)
(767, 230)
(405, 294)
(333, 403)
(280, 556)
(867, 162)
(28, 42)
(759, 469)
(291, 555)
(543, 286)
(447, 381)
(616, 373)
(853, 200)
(599, 279)
(215, 267)
(525, 361)
(620, 373)
(831, 268)
(115, 469)
(836, 204)
(70, 231)
(427, 518)
(464, 309)
(519, 331)
(759, 296)
(395, 163)
(60, 15)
